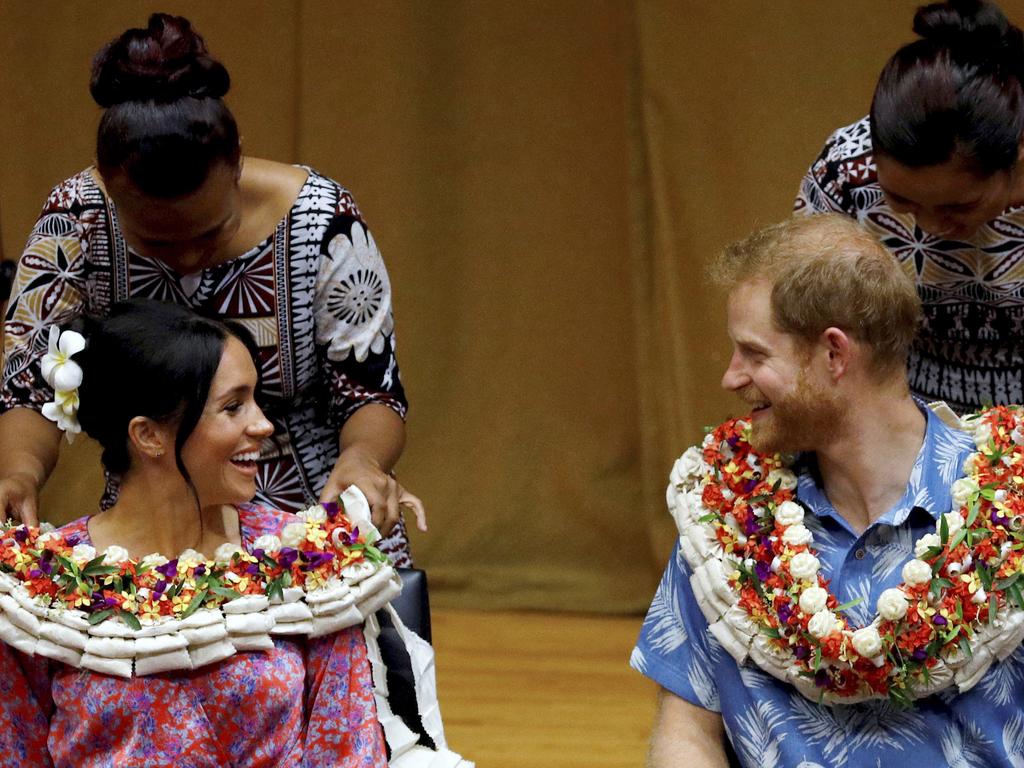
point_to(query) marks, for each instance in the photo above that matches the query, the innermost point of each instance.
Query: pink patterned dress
(306, 703)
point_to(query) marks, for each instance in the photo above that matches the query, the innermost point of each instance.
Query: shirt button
(859, 554)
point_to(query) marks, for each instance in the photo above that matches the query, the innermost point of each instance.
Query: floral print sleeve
(25, 709)
(49, 287)
(354, 324)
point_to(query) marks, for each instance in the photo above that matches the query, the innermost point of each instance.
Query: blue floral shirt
(771, 724)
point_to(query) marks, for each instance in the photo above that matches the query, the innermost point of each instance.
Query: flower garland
(959, 608)
(107, 612)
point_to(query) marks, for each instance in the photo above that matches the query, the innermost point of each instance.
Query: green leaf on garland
(709, 517)
(131, 620)
(993, 607)
(196, 603)
(957, 539)
(817, 658)
(845, 606)
(965, 648)
(227, 594)
(972, 513)
(96, 618)
(1009, 581)
(771, 632)
(988, 494)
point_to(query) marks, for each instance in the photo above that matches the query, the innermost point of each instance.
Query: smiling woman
(935, 173)
(172, 399)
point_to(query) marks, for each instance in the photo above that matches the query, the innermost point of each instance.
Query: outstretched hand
(384, 493)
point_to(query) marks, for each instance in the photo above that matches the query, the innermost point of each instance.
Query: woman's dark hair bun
(970, 24)
(164, 62)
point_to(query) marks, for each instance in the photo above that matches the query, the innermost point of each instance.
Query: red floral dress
(306, 703)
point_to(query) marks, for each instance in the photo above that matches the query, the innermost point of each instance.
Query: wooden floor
(521, 690)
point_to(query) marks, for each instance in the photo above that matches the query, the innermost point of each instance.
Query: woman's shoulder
(257, 520)
(849, 142)
(79, 528)
(75, 193)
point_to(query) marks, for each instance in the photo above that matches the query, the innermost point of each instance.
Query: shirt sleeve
(675, 649)
(25, 709)
(354, 322)
(342, 717)
(49, 288)
(825, 187)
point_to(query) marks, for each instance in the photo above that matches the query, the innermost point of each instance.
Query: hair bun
(970, 24)
(164, 62)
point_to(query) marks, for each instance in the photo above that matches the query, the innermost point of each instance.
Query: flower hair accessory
(65, 376)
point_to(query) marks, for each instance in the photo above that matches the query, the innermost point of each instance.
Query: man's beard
(802, 420)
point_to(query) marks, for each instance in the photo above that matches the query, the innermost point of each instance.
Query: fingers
(412, 502)
(18, 501)
(391, 507)
(28, 512)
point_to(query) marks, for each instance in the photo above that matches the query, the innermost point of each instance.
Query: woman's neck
(161, 516)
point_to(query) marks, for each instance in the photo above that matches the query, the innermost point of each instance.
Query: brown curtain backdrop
(546, 181)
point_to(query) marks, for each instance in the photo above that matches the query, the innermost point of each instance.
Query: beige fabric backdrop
(546, 181)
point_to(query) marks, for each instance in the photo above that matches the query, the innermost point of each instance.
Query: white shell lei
(245, 623)
(974, 541)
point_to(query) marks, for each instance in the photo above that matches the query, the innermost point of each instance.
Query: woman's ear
(149, 438)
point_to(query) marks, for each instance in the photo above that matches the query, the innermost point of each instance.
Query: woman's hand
(19, 498)
(386, 496)
(29, 445)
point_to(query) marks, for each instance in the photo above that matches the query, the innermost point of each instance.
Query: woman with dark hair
(172, 211)
(167, 660)
(935, 172)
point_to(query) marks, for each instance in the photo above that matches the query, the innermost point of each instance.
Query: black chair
(413, 607)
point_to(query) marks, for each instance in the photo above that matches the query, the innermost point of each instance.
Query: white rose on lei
(963, 490)
(867, 642)
(785, 479)
(917, 572)
(892, 605)
(789, 513)
(954, 522)
(822, 623)
(982, 434)
(925, 543)
(223, 554)
(293, 534)
(315, 514)
(191, 556)
(154, 560)
(269, 543)
(114, 555)
(83, 552)
(803, 566)
(812, 600)
(971, 463)
(797, 535)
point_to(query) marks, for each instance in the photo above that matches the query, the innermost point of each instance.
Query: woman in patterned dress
(935, 173)
(173, 212)
(171, 398)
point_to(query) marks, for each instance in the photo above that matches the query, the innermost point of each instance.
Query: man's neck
(866, 466)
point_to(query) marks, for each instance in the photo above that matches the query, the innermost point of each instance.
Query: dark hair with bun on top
(153, 359)
(954, 93)
(165, 122)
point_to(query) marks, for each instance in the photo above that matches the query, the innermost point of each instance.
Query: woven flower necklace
(756, 575)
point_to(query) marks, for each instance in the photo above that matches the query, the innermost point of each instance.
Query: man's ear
(149, 438)
(840, 349)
